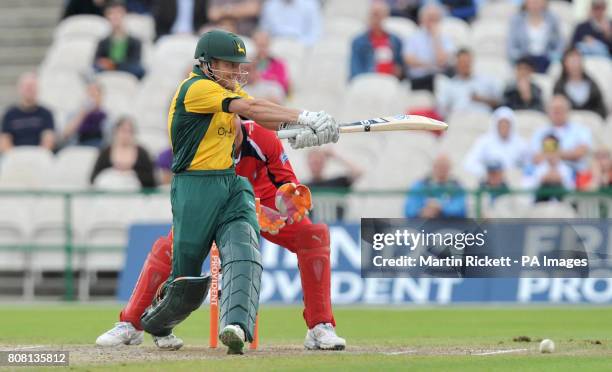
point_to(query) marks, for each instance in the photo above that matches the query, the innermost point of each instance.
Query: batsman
(209, 201)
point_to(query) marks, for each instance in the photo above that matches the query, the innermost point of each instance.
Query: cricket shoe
(123, 333)
(233, 337)
(323, 337)
(170, 342)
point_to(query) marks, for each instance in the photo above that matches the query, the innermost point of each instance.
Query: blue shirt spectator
(594, 36)
(377, 50)
(27, 123)
(437, 195)
(462, 9)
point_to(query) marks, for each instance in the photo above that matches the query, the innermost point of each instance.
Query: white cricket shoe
(170, 342)
(123, 333)
(323, 337)
(233, 337)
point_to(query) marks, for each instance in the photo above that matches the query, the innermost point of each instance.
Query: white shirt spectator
(299, 19)
(456, 94)
(570, 135)
(510, 151)
(420, 45)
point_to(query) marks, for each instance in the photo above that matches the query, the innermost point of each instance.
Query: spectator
(266, 89)
(87, 127)
(245, 13)
(119, 51)
(575, 141)
(298, 19)
(467, 91)
(578, 86)
(405, 8)
(27, 123)
(437, 195)
(551, 177)
(164, 166)
(502, 145)
(124, 154)
(427, 51)
(179, 16)
(599, 176)
(462, 9)
(376, 50)
(317, 161)
(594, 36)
(523, 93)
(77, 7)
(494, 183)
(535, 33)
(269, 67)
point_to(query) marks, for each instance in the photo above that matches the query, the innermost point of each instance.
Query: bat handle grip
(288, 133)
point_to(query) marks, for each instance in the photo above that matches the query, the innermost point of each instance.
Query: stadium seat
(457, 30)
(420, 99)
(141, 26)
(358, 9)
(473, 123)
(401, 27)
(292, 52)
(501, 11)
(600, 69)
(153, 140)
(14, 222)
(565, 12)
(119, 89)
(82, 26)
(325, 68)
(156, 208)
(372, 95)
(114, 180)
(528, 121)
(546, 83)
(61, 91)
(343, 28)
(496, 68)
(551, 209)
(488, 37)
(72, 167)
(173, 55)
(72, 55)
(26, 167)
(590, 120)
(510, 206)
(379, 206)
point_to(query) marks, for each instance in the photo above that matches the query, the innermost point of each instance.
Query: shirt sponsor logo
(284, 158)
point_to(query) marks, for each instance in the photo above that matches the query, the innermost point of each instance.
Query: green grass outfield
(417, 338)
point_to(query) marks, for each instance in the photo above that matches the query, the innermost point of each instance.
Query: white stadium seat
(501, 11)
(564, 11)
(457, 30)
(373, 95)
(325, 68)
(343, 28)
(600, 70)
(292, 52)
(551, 209)
(496, 68)
(26, 167)
(488, 37)
(153, 140)
(358, 9)
(173, 55)
(528, 121)
(115, 180)
(82, 26)
(400, 26)
(74, 55)
(546, 83)
(590, 120)
(141, 26)
(510, 206)
(472, 123)
(118, 89)
(62, 91)
(73, 166)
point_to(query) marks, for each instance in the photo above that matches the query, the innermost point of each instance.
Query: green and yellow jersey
(200, 126)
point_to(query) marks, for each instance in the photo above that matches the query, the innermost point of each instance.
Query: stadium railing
(330, 205)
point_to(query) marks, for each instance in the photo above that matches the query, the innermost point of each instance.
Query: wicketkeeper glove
(293, 201)
(270, 221)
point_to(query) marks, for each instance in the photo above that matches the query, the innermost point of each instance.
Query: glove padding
(306, 138)
(293, 201)
(270, 221)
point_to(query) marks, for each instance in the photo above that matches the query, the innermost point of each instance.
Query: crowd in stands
(562, 154)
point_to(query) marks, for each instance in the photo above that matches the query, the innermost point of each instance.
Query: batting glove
(306, 138)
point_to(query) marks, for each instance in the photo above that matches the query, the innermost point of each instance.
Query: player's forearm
(266, 113)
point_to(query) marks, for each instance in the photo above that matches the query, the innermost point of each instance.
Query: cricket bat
(382, 124)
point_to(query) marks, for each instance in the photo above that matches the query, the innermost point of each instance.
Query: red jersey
(263, 161)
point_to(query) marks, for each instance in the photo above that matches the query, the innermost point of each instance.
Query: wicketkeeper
(209, 201)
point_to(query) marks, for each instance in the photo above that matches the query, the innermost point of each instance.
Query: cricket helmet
(221, 45)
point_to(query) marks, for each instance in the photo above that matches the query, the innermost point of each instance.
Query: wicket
(215, 270)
